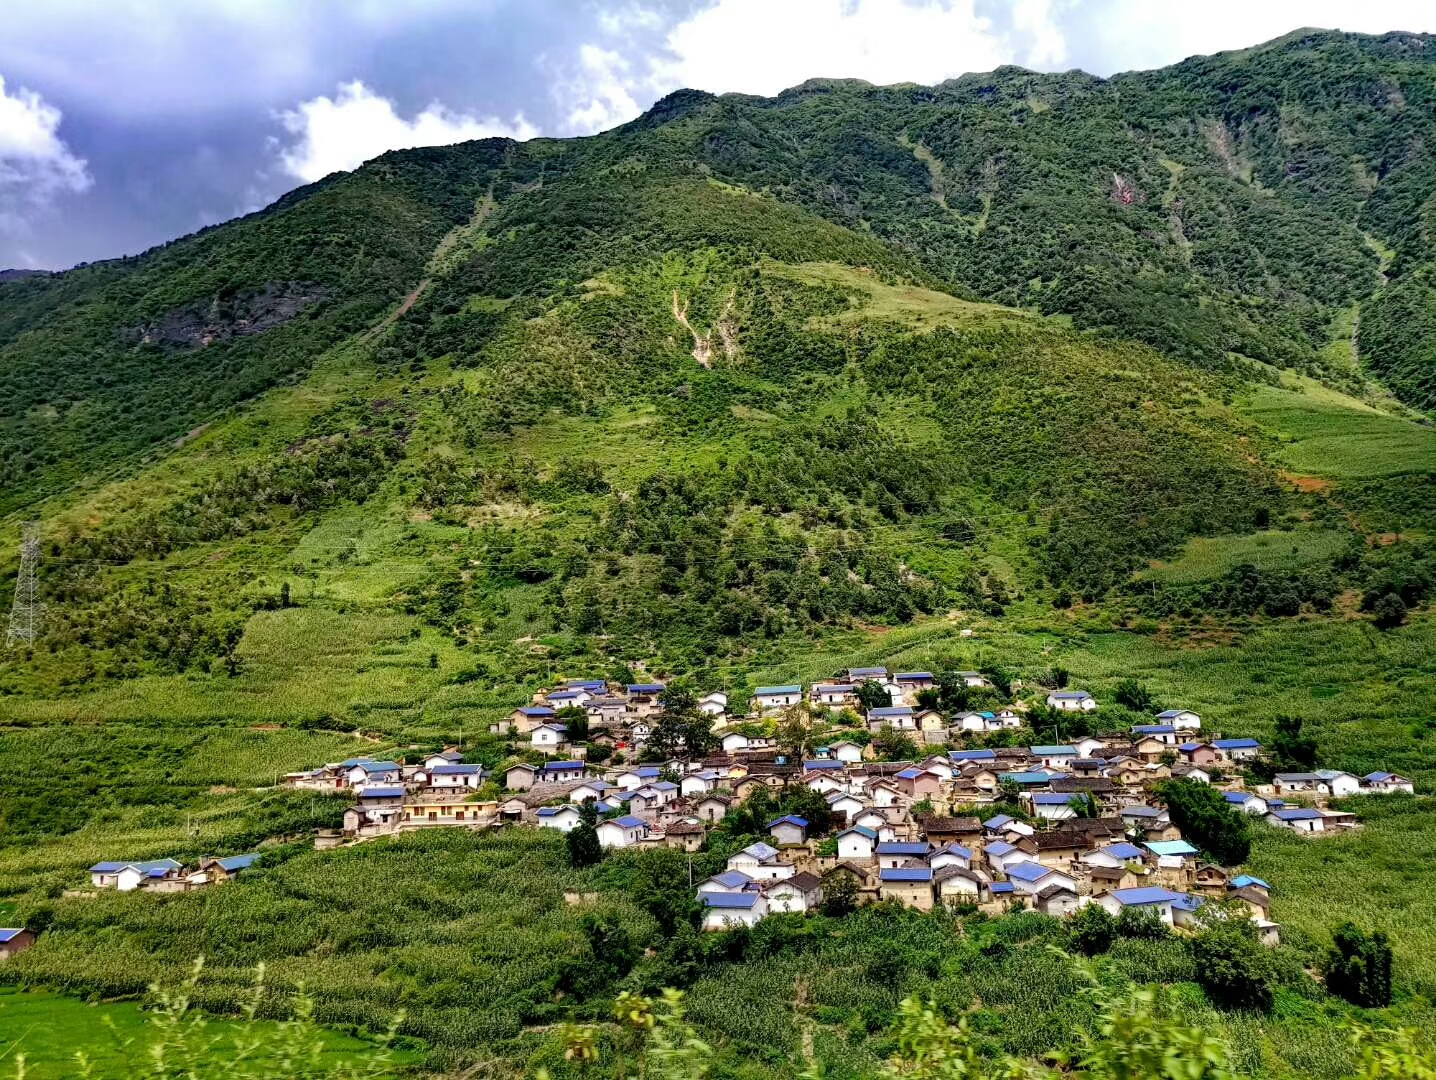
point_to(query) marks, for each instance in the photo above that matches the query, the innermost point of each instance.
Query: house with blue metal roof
(1071, 701)
(1112, 856)
(761, 862)
(126, 876)
(910, 886)
(1299, 819)
(900, 717)
(1150, 898)
(1386, 783)
(1051, 805)
(1182, 719)
(725, 910)
(897, 852)
(14, 940)
(1246, 801)
(622, 832)
(857, 843)
(1238, 749)
(1030, 878)
(218, 871)
(562, 818)
(789, 829)
(455, 776)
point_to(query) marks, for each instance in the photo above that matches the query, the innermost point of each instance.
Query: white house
(1051, 806)
(734, 741)
(760, 861)
(1386, 783)
(371, 772)
(952, 855)
(621, 832)
(833, 696)
(797, 893)
(700, 783)
(894, 853)
(1247, 802)
(637, 777)
(721, 911)
(1113, 856)
(850, 753)
(443, 757)
(1237, 749)
(562, 818)
(127, 876)
(1000, 855)
(1054, 757)
(727, 881)
(768, 698)
(590, 791)
(1031, 878)
(1299, 819)
(575, 697)
(1151, 898)
(857, 843)
(548, 736)
(790, 829)
(1181, 719)
(714, 704)
(449, 777)
(844, 805)
(1340, 784)
(900, 717)
(1071, 701)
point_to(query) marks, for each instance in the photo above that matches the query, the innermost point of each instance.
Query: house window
(433, 815)
(459, 815)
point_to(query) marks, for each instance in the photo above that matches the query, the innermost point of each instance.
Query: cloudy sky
(126, 123)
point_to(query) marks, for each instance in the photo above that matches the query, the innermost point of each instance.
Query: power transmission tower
(26, 611)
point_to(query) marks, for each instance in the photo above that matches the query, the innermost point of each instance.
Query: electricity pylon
(25, 612)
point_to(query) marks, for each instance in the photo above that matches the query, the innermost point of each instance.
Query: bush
(1358, 967)
(1232, 966)
(1207, 820)
(1093, 930)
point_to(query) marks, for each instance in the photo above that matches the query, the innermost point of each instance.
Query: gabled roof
(626, 822)
(760, 851)
(730, 879)
(1239, 797)
(912, 676)
(375, 791)
(585, 684)
(999, 848)
(1299, 814)
(972, 755)
(772, 691)
(906, 873)
(1051, 798)
(1123, 850)
(143, 867)
(1069, 695)
(1140, 811)
(824, 763)
(955, 849)
(1052, 751)
(377, 766)
(231, 863)
(645, 688)
(866, 672)
(9, 933)
(535, 710)
(563, 766)
(736, 900)
(554, 811)
(895, 847)
(887, 711)
(999, 821)
(1379, 777)
(1153, 729)
(1186, 902)
(454, 770)
(1243, 880)
(1170, 847)
(999, 887)
(909, 774)
(1236, 744)
(1150, 894)
(834, 688)
(1028, 871)
(1026, 777)
(789, 819)
(643, 772)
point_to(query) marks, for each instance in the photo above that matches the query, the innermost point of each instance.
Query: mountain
(749, 366)
(17, 275)
(1051, 376)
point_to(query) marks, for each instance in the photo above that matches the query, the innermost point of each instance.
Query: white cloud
(758, 47)
(35, 163)
(342, 132)
(1128, 35)
(761, 47)
(601, 91)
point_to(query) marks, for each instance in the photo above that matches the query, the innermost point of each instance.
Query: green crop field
(1208, 557)
(46, 1036)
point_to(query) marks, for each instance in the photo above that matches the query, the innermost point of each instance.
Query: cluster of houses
(169, 875)
(997, 865)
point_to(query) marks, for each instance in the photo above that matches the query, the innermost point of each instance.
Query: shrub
(1358, 967)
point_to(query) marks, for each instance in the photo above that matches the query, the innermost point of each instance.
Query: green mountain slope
(725, 374)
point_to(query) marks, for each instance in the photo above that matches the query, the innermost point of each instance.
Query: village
(1049, 827)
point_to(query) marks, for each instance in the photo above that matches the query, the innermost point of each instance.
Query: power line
(26, 611)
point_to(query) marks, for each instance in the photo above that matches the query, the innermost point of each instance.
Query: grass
(1379, 877)
(911, 304)
(1325, 433)
(1203, 557)
(50, 1031)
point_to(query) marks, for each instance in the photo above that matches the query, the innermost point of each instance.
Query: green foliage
(1358, 966)
(1140, 1036)
(582, 840)
(1233, 967)
(1093, 930)
(1291, 748)
(1207, 820)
